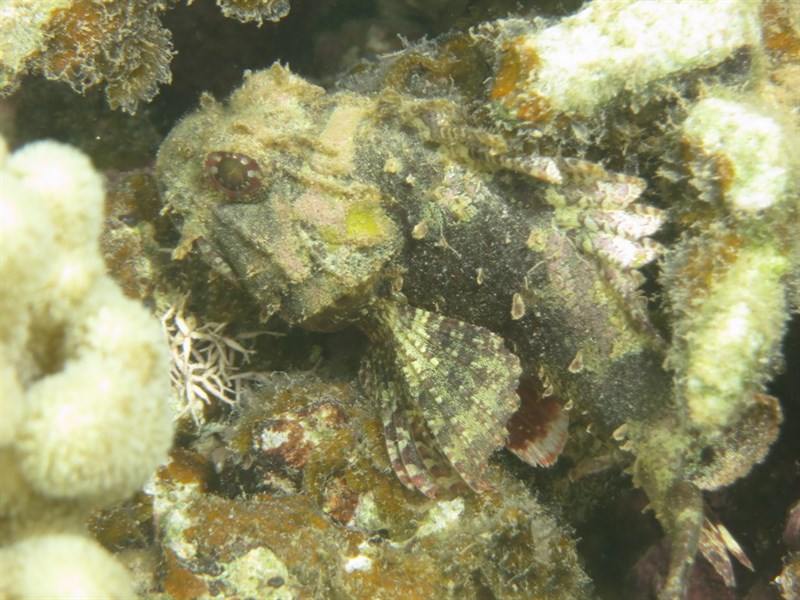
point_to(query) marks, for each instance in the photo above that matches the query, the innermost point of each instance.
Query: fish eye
(233, 173)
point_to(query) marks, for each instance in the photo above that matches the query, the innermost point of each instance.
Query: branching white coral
(204, 361)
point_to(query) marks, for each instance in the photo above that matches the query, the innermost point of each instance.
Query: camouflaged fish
(475, 269)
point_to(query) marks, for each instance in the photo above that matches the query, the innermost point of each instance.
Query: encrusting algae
(303, 484)
(569, 237)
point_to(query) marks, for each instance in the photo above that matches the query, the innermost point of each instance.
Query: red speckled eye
(233, 173)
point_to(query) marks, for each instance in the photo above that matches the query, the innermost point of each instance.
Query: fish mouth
(242, 238)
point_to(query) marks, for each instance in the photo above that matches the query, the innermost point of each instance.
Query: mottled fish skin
(479, 240)
(458, 377)
(449, 251)
(572, 303)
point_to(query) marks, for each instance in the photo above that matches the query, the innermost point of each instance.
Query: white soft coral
(84, 397)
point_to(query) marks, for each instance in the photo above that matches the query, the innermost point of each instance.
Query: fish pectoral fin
(445, 388)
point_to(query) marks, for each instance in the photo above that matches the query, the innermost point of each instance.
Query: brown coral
(119, 43)
(254, 10)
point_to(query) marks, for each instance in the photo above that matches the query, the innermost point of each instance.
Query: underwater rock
(128, 240)
(347, 527)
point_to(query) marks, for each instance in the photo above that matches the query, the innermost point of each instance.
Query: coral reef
(305, 507)
(62, 566)
(255, 10)
(700, 428)
(740, 153)
(85, 43)
(570, 232)
(580, 65)
(119, 44)
(84, 400)
(128, 242)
